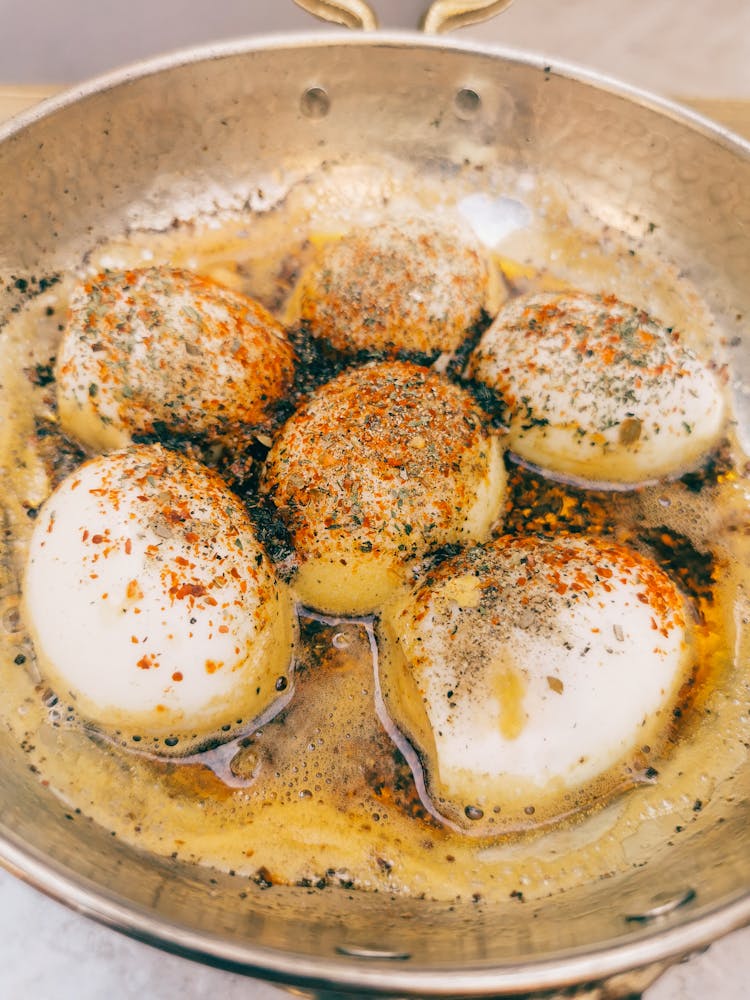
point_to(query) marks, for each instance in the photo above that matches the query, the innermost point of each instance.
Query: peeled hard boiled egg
(533, 676)
(165, 348)
(382, 465)
(394, 288)
(598, 391)
(152, 606)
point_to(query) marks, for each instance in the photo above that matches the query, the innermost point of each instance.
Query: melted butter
(321, 794)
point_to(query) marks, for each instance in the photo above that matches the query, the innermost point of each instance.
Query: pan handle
(446, 15)
(440, 16)
(351, 13)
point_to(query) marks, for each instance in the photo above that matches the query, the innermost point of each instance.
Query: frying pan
(179, 136)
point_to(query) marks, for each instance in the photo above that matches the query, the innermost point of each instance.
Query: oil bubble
(473, 812)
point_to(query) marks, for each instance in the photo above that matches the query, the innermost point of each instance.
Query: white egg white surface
(162, 346)
(598, 391)
(528, 668)
(152, 606)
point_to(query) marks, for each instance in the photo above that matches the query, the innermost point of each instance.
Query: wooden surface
(735, 114)
(15, 99)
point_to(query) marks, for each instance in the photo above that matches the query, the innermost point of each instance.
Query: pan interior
(238, 131)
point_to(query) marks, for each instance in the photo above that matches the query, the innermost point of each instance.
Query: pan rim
(385, 39)
(377, 977)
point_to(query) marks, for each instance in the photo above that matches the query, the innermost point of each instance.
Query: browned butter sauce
(322, 795)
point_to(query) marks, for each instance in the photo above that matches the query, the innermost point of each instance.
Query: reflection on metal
(447, 15)
(351, 13)
(661, 906)
(358, 951)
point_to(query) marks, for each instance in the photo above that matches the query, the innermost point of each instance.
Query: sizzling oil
(321, 795)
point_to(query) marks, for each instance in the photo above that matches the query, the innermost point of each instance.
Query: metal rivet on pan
(467, 103)
(355, 951)
(315, 103)
(662, 905)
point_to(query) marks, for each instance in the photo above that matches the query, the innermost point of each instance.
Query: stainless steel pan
(174, 136)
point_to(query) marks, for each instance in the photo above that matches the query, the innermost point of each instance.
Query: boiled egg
(534, 676)
(597, 391)
(381, 465)
(152, 607)
(393, 288)
(162, 349)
